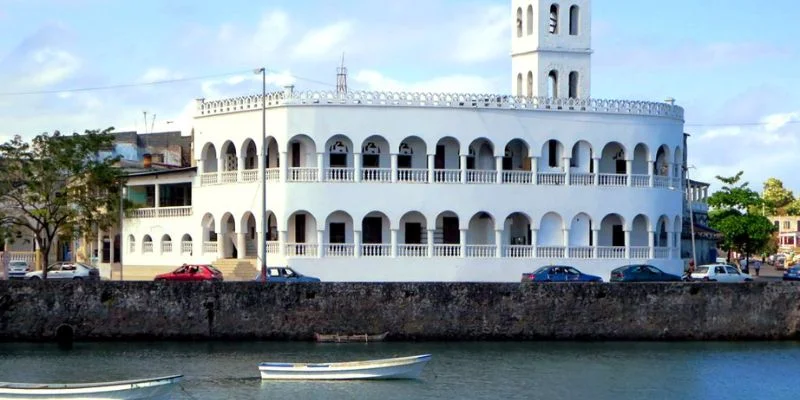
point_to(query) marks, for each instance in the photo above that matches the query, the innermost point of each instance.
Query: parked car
(67, 270)
(642, 273)
(720, 273)
(17, 269)
(792, 274)
(285, 274)
(559, 273)
(192, 272)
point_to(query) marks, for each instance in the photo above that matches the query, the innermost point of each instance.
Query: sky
(730, 63)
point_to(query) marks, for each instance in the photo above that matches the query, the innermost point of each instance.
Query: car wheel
(36, 278)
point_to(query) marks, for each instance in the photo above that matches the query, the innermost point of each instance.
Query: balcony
(153, 212)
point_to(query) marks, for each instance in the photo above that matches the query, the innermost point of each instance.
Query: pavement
(767, 273)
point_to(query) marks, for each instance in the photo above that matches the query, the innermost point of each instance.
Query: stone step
(236, 269)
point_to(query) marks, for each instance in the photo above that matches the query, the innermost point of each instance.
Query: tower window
(573, 20)
(519, 85)
(573, 85)
(554, 19)
(552, 84)
(519, 22)
(530, 84)
(552, 150)
(530, 19)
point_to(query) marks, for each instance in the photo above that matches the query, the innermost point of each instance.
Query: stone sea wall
(409, 311)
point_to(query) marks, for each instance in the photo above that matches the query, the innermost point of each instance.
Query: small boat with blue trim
(150, 388)
(388, 368)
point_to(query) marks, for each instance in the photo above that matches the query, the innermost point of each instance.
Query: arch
(481, 228)
(613, 159)
(411, 154)
(301, 152)
(339, 152)
(273, 153)
(517, 229)
(230, 162)
(187, 244)
(551, 156)
(131, 244)
(166, 244)
(641, 157)
(662, 231)
(413, 228)
(375, 228)
(249, 154)
(529, 91)
(612, 231)
(519, 21)
(339, 229)
(375, 152)
(573, 85)
(552, 84)
(519, 84)
(640, 230)
(529, 19)
(551, 230)
(662, 160)
(480, 155)
(581, 157)
(451, 150)
(247, 225)
(553, 27)
(580, 231)
(209, 158)
(147, 244)
(516, 155)
(574, 20)
(272, 227)
(301, 230)
(448, 225)
(677, 162)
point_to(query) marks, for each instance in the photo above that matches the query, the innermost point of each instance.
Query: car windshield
(213, 269)
(540, 270)
(18, 263)
(701, 270)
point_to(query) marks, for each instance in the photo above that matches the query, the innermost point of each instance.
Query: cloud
(157, 74)
(374, 80)
(323, 43)
(239, 85)
(483, 35)
(689, 55)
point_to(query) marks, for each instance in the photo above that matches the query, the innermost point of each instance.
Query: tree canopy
(58, 185)
(777, 199)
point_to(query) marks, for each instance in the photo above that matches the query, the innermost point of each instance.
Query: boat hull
(155, 388)
(396, 368)
(334, 338)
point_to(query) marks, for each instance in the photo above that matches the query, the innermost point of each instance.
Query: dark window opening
(338, 160)
(370, 161)
(404, 161)
(621, 166)
(552, 147)
(295, 155)
(507, 164)
(373, 230)
(450, 233)
(336, 232)
(470, 162)
(438, 159)
(413, 233)
(617, 236)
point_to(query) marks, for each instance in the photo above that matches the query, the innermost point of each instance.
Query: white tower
(551, 48)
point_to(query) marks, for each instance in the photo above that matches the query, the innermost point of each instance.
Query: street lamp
(691, 211)
(263, 255)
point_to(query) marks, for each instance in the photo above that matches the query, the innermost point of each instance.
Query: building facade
(372, 186)
(788, 228)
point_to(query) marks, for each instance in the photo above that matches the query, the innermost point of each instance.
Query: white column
(595, 240)
(534, 240)
(498, 242)
(651, 243)
(240, 165)
(111, 246)
(357, 167)
(393, 242)
(534, 170)
(463, 170)
(596, 167)
(651, 172)
(282, 235)
(320, 167)
(669, 171)
(356, 244)
(627, 243)
(430, 241)
(284, 169)
(394, 168)
(431, 162)
(241, 245)
(566, 242)
(629, 171)
(158, 196)
(320, 243)
(567, 169)
(670, 244)
(220, 245)
(498, 166)
(462, 240)
(201, 163)
(221, 164)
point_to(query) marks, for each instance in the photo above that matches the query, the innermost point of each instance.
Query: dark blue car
(285, 274)
(559, 273)
(642, 273)
(792, 274)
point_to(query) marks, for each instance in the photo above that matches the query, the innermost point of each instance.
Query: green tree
(793, 208)
(746, 232)
(58, 185)
(776, 197)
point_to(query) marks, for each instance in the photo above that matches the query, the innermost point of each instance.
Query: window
(554, 19)
(552, 150)
(787, 225)
(617, 236)
(336, 232)
(777, 224)
(573, 20)
(573, 85)
(552, 84)
(798, 225)
(530, 84)
(519, 85)
(519, 22)
(530, 19)
(413, 233)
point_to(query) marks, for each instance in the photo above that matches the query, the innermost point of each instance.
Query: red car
(188, 272)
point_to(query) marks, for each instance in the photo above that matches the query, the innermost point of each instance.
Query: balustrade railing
(412, 175)
(551, 178)
(147, 247)
(446, 250)
(661, 181)
(481, 250)
(613, 179)
(376, 250)
(301, 250)
(481, 176)
(181, 211)
(209, 178)
(166, 247)
(339, 250)
(581, 252)
(640, 252)
(581, 179)
(273, 247)
(339, 175)
(412, 250)
(518, 177)
(187, 247)
(613, 252)
(376, 175)
(273, 175)
(143, 213)
(447, 175)
(550, 252)
(638, 180)
(209, 247)
(250, 175)
(228, 176)
(662, 252)
(303, 174)
(518, 251)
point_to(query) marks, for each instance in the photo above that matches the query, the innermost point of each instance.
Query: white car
(720, 273)
(67, 270)
(17, 269)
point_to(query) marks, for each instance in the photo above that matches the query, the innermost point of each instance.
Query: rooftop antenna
(145, 121)
(341, 78)
(153, 123)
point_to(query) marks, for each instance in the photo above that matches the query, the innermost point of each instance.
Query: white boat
(151, 388)
(389, 368)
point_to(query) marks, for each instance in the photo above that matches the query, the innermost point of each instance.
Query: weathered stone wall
(410, 311)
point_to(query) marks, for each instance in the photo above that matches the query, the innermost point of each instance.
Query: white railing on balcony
(481, 176)
(412, 175)
(273, 175)
(662, 252)
(613, 252)
(131, 247)
(640, 252)
(181, 211)
(166, 247)
(518, 251)
(339, 175)
(550, 252)
(209, 247)
(273, 247)
(209, 178)
(446, 250)
(638, 180)
(447, 175)
(303, 174)
(518, 177)
(661, 181)
(308, 250)
(677, 183)
(147, 247)
(699, 206)
(412, 250)
(550, 178)
(581, 179)
(376, 175)
(339, 250)
(581, 252)
(613, 179)
(376, 250)
(481, 250)
(229, 176)
(144, 213)
(187, 247)
(250, 175)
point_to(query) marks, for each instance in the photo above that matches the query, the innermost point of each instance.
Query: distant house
(695, 208)
(788, 227)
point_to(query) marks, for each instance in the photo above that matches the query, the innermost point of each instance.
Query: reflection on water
(218, 370)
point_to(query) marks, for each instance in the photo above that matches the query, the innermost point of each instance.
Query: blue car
(642, 273)
(284, 275)
(792, 274)
(559, 273)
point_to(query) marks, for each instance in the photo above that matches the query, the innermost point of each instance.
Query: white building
(428, 187)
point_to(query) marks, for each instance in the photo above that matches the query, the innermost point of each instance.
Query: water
(535, 370)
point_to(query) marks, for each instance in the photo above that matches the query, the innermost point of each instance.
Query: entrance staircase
(237, 269)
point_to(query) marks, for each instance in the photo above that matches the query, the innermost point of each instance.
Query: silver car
(17, 269)
(67, 270)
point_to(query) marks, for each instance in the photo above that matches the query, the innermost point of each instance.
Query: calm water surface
(537, 370)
